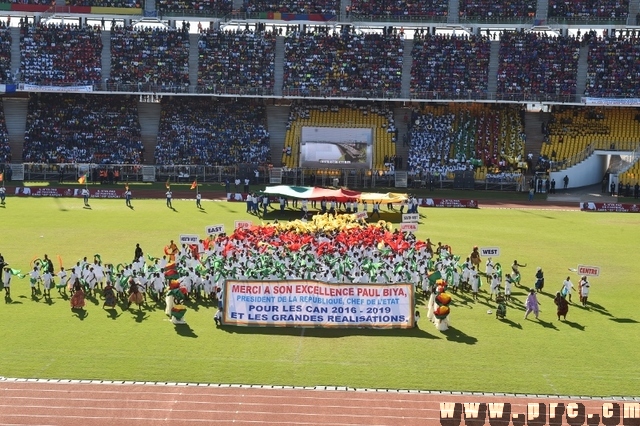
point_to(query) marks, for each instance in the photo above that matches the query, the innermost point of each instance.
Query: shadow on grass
(330, 332)
(624, 320)
(574, 325)
(536, 213)
(511, 323)
(547, 324)
(112, 313)
(458, 336)
(81, 314)
(140, 315)
(59, 204)
(185, 331)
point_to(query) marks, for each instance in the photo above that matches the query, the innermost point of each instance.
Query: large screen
(336, 147)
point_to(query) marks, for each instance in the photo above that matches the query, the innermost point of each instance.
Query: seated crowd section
(328, 62)
(241, 59)
(398, 9)
(452, 66)
(153, 56)
(613, 66)
(325, 7)
(212, 132)
(491, 10)
(589, 9)
(205, 7)
(64, 54)
(5, 148)
(5, 52)
(488, 139)
(99, 129)
(537, 64)
(572, 129)
(344, 114)
(106, 3)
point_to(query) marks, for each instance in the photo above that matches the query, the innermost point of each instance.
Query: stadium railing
(585, 153)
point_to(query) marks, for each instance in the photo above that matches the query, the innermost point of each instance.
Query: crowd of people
(207, 7)
(612, 67)
(98, 129)
(5, 148)
(150, 56)
(53, 54)
(5, 52)
(212, 132)
(137, 4)
(399, 9)
(506, 9)
(585, 9)
(344, 62)
(236, 59)
(454, 66)
(325, 7)
(533, 63)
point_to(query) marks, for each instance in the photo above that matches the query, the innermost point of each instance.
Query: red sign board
(25, 191)
(609, 207)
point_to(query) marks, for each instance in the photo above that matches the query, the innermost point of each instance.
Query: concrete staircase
(402, 151)
(581, 77)
(149, 118)
(237, 4)
(15, 52)
(277, 117)
(494, 64)
(407, 62)
(278, 71)
(343, 8)
(15, 115)
(193, 59)
(542, 10)
(150, 7)
(106, 55)
(533, 130)
(634, 8)
(454, 12)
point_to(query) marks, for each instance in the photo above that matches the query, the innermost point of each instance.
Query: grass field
(593, 353)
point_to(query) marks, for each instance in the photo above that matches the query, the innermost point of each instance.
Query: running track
(87, 403)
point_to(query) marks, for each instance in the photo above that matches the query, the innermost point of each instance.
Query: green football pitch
(593, 353)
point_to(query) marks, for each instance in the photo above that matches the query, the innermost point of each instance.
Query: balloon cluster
(442, 300)
(175, 297)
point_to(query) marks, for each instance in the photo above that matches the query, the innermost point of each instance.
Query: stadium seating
(349, 114)
(325, 63)
(537, 64)
(106, 3)
(153, 56)
(5, 149)
(99, 129)
(195, 7)
(211, 132)
(60, 54)
(573, 129)
(401, 9)
(612, 67)
(329, 7)
(448, 138)
(5, 52)
(490, 10)
(454, 67)
(577, 10)
(236, 59)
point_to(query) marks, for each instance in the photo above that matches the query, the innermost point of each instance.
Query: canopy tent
(317, 193)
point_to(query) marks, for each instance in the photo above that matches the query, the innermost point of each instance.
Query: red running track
(88, 404)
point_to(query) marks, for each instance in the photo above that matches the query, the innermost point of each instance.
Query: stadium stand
(537, 64)
(150, 56)
(105, 3)
(332, 63)
(400, 9)
(5, 52)
(195, 7)
(5, 148)
(212, 132)
(239, 59)
(60, 54)
(449, 138)
(490, 10)
(612, 67)
(454, 67)
(330, 7)
(99, 129)
(347, 114)
(588, 10)
(571, 130)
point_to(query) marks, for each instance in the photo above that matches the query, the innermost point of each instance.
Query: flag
(1, 177)
(194, 185)
(82, 180)
(166, 185)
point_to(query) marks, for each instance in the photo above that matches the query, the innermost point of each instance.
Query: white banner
(214, 229)
(189, 239)
(242, 224)
(408, 227)
(318, 304)
(490, 251)
(591, 271)
(612, 101)
(410, 218)
(57, 89)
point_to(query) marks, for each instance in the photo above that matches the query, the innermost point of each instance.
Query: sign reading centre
(318, 304)
(490, 251)
(214, 229)
(189, 239)
(591, 271)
